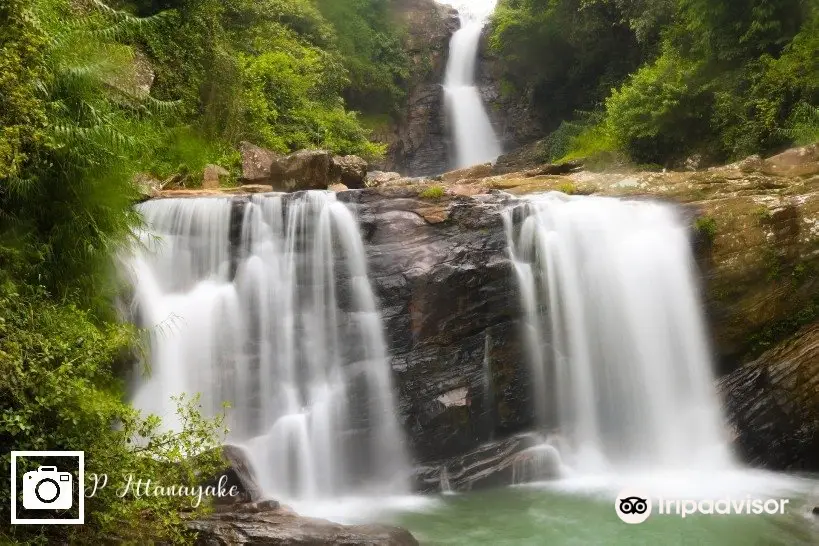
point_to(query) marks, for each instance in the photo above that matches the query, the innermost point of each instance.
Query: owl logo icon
(632, 507)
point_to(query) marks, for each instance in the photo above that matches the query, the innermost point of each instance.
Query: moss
(568, 188)
(763, 213)
(779, 330)
(772, 263)
(432, 192)
(707, 227)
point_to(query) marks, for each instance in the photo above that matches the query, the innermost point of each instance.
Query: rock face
(269, 524)
(440, 269)
(418, 141)
(450, 306)
(773, 404)
(511, 114)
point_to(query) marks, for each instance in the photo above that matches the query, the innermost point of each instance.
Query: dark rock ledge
(271, 524)
(250, 520)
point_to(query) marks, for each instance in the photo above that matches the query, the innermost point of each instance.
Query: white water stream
(619, 355)
(283, 325)
(475, 139)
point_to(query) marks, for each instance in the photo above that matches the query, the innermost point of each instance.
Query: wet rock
(773, 404)
(515, 122)
(476, 171)
(489, 465)
(349, 170)
(212, 176)
(240, 475)
(247, 189)
(450, 304)
(256, 163)
(528, 156)
(279, 526)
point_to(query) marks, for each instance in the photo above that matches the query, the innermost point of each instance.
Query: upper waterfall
(475, 139)
(620, 360)
(266, 304)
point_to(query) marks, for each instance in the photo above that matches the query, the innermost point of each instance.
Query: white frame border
(80, 485)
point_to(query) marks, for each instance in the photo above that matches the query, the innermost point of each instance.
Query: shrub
(432, 192)
(706, 226)
(60, 392)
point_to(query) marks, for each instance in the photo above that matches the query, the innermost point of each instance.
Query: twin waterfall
(266, 304)
(619, 356)
(473, 135)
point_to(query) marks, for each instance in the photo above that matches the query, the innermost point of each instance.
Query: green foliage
(22, 112)
(657, 109)
(676, 77)
(432, 192)
(568, 188)
(803, 124)
(60, 392)
(372, 52)
(782, 329)
(565, 55)
(707, 227)
(275, 72)
(74, 127)
(290, 103)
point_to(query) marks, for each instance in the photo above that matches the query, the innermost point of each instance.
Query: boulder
(802, 161)
(256, 163)
(773, 404)
(302, 170)
(135, 79)
(147, 186)
(381, 178)
(239, 473)
(280, 526)
(349, 170)
(212, 176)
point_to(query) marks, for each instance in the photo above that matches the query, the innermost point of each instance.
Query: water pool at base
(537, 516)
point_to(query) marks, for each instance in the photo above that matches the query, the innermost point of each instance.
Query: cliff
(418, 139)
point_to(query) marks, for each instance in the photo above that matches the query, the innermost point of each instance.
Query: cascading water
(266, 304)
(474, 137)
(619, 356)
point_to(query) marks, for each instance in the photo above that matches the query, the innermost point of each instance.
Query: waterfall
(620, 361)
(474, 137)
(266, 304)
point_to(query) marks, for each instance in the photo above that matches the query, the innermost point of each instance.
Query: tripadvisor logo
(632, 507)
(635, 507)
